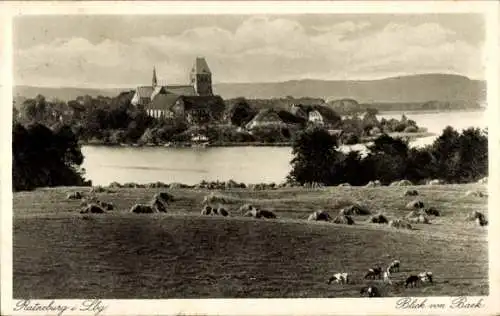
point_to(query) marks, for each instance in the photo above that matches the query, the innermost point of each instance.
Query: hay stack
(435, 182)
(344, 184)
(475, 194)
(252, 213)
(142, 209)
(319, 216)
(245, 208)
(165, 196)
(206, 210)
(400, 224)
(401, 183)
(92, 208)
(108, 206)
(415, 204)
(478, 217)
(483, 180)
(372, 184)
(98, 189)
(267, 214)
(355, 209)
(411, 193)
(431, 211)
(421, 219)
(260, 214)
(158, 204)
(379, 219)
(74, 196)
(222, 211)
(343, 219)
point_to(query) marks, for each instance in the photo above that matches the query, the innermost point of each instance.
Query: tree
(41, 157)
(316, 158)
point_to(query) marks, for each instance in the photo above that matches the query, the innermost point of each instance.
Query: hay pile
(355, 209)
(166, 197)
(401, 183)
(400, 224)
(74, 196)
(379, 219)
(431, 211)
(372, 184)
(415, 204)
(476, 194)
(158, 204)
(92, 208)
(478, 217)
(421, 219)
(245, 208)
(343, 219)
(143, 209)
(319, 216)
(483, 180)
(411, 193)
(345, 184)
(260, 214)
(435, 182)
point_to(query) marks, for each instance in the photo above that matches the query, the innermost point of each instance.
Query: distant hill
(406, 89)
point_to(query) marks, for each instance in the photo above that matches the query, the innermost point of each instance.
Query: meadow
(60, 253)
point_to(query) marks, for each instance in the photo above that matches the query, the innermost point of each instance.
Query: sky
(121, 51)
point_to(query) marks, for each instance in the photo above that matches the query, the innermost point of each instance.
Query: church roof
(163, 101)
(181, 90)
(145, 91)
(200, 66)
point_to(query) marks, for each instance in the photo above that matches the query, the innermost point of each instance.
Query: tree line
(116, 120)
(455, 157)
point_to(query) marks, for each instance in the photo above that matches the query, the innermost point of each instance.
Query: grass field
(59, 253)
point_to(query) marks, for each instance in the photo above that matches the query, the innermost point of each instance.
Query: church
(195, 102)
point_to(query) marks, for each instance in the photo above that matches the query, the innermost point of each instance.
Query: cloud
(260, 49)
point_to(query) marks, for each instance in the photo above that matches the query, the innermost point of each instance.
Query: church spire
(155, 81)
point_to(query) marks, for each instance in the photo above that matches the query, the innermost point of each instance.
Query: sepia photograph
(262, 155)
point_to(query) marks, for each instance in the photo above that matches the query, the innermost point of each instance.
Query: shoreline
(364, 140)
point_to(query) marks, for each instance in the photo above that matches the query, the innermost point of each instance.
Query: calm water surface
(243, 164)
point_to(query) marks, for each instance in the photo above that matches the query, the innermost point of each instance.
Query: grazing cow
(373, 272)
(412, 280)
(342, 278)
(394, 266)
(425, 277)
(371, 291)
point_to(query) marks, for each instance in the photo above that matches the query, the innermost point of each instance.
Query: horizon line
(133, 86)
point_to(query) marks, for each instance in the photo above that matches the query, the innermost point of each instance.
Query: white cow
(425, 277)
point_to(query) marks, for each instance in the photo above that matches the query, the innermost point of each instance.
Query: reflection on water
(243, 164)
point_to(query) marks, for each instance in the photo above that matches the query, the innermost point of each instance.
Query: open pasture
(59, 253)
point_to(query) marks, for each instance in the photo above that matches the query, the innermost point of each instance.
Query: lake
(243, 164)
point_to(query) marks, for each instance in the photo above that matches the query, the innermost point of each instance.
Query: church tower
(155, 80)
(201, 77)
